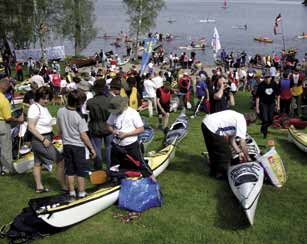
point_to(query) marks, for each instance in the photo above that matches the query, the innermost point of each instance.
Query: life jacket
(184, 84)
(165, 96)
(56, 80)
(285, 91)
(200, 91)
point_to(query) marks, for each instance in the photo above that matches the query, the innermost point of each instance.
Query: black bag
(27, 227)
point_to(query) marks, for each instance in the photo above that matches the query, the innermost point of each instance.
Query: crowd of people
(103, 104)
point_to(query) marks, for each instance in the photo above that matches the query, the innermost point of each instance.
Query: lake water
(259, 15)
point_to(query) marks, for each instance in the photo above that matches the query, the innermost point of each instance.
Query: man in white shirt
(220, 130)
(126, 124)
(150, 91)
(158, 80)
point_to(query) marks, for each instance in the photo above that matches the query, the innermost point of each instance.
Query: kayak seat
(246, 178)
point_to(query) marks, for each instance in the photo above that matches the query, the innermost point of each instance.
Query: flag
(277, 22)
(215, 43)
(148, 48)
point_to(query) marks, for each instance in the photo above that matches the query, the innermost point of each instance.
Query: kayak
(26, 162)
(298, 138)
(252, 148)
(263, 39)
(196, 47)
(240, 27)
(246, 181)
(274, 167)
(178, 130)
(57, 211)
(207, 21)
(147, 136)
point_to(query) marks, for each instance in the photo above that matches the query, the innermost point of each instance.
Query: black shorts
(166, 108)
(75, 161)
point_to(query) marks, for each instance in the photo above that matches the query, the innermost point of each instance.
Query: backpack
(26, 227)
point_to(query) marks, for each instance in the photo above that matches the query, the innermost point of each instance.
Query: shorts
(166, 108)
(75, 160)
(45, 155)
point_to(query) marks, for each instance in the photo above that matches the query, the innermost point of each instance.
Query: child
(202, 94)
(73, 128)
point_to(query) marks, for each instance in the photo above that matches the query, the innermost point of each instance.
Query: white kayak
(246, 181)
(178, 130)
(207, 21)
(64, 213)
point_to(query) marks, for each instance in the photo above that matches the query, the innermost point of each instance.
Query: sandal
(44, 190)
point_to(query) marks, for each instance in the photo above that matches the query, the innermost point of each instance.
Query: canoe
(246, 181)
(298, 138)
(297, 123)
(263, 39)
(273, 167)
(82, 62)
(178, 130)
(63, 213)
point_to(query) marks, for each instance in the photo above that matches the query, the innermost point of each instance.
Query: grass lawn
(197, 208)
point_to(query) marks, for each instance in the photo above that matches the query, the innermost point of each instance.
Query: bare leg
(60, 175)
(165, 120)
(71, 183)
(80, 184)
(37, 176)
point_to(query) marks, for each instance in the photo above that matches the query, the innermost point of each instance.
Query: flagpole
(283, 35)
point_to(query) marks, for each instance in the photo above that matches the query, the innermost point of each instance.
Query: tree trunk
(42, 42)
(138, 31)
(77, 35)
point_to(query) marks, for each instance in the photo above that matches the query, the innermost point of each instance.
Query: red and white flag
(277, 22)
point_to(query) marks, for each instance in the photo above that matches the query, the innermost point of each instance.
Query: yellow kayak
(298, 138)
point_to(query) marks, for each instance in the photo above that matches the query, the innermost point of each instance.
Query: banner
(277, 22)
(23, 55)
(148, 48)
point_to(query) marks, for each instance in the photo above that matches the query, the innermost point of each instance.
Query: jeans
(97, 144)
(296, 112)
(266, 112)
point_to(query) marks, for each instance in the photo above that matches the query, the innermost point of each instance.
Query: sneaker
(192, 117)
(82, 195)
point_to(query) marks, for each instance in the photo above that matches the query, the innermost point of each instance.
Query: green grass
(197, 208)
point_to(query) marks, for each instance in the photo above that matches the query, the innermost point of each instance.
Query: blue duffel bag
(140, 195)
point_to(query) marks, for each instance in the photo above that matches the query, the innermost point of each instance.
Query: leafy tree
(78, 23)
(142, 15)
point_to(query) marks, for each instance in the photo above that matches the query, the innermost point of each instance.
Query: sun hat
(118, 104)
(116, 84)
(99, 84)
(84, 85)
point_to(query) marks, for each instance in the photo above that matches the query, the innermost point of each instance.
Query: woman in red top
(19, 71)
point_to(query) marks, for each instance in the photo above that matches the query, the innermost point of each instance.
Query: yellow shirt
(5, 108)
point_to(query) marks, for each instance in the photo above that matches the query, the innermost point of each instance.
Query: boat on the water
(263, 39)
(240, 27)
(298, 138)
(303, 36)
(246, 181)
(207, 21)
(58, 212)
(83, 62)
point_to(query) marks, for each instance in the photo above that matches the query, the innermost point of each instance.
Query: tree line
(28, 23)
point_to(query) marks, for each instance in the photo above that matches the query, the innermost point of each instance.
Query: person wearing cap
(163, 103)
(125, 124)
(98, 129)
(267, 102)
(115, 87)
(86, 87)
(37, 78)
